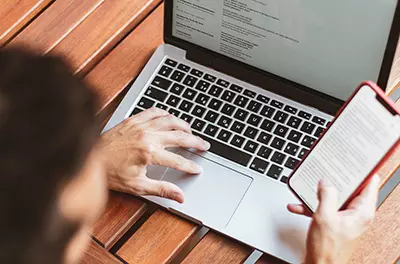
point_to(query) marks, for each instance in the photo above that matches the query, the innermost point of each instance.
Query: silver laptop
(260, 80)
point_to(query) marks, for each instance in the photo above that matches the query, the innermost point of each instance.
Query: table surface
(108, 42)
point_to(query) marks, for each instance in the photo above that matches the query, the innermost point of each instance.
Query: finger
(147, 115)
(167, 123)
(368, 196)
(327, 197)
(177, 162)
(184, 140)
(160, 188)
(299, 209)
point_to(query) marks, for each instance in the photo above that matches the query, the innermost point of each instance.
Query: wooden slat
(381, 243)
(394, 81)
(158, 240)
(121, 213)
(55, 23)
(95, 254)
(215, 248)
(14, 15)
(101, 30)
(126, 61)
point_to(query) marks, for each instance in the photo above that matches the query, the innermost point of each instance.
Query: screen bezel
(276, 84)
(390, 106)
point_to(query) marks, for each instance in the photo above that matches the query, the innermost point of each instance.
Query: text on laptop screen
(329, 46)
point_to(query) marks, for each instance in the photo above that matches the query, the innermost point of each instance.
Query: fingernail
(325, 183)
(199, 169)
(208, 145)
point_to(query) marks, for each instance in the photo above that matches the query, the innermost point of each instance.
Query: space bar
(226, 151)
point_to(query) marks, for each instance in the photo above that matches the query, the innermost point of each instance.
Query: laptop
(260, 80)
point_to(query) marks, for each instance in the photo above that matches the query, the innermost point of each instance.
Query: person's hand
(333, 235)
(141, 141)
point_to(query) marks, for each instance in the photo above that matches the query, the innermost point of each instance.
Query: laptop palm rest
(210, 197)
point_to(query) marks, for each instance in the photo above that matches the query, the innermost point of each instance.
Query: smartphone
(365, 132)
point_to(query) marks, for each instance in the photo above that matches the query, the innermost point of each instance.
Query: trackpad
(211, 197)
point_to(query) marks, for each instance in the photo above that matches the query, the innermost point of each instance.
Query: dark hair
(47, 129)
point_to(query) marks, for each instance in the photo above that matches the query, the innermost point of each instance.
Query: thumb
(327, 196)
(162, 189)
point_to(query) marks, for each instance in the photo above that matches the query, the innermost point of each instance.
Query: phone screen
(351, 148)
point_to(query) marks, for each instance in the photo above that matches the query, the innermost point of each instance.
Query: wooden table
(108, 42)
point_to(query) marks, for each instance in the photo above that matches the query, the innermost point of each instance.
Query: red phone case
(383, 97)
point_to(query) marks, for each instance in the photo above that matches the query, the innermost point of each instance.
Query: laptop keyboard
(250, 129)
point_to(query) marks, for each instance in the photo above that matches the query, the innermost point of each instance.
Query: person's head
(52, 185)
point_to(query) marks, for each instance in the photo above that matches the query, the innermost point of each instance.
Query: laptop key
(224, 121)
(267, 111)
(186, 106)
(223, 83)
(173, 100)
(277, 143)
(171, 62)
(319, 120)
(202, 86)
(196, 72)
(291, 163)
(238, 141)
(215, 91)
(264, 138)
(156, 94)
(190, 80)
(259, 165)
(281, 117)
(241, 114)
(284, 179)
(277, 104)
(263, 98)
(211, 116)
(177, 89)
(267, 125)
(278, 157)
(264, 152)
(307, 127)
(294, 136)
(209, 78)
(249, 93)
(226, 151)
(274, 171)
(251, 146)
(224, 135)
(202, 99)
(136, 111)
(250, 132)
(302, 153)
(304, 115)
(228, 109)
(211, 130)
(241, 101)
(189, 94)
(215, 104)
(228, 96)
(177, 76)
(174, 112)
(294, 122)
(161, 82)
(308, 141)
(319, 132)
(186, 118)
(184, 67)
(291, 149)
(254, 120)
(198, 111)
(254, 106)
(237, 127)
(281, 130)
(161, 106)
(290, 109)
(165, 71)
(198, 125)
(236, 88)
(146, 103)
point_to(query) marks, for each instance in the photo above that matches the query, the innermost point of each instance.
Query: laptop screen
(329, 46)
